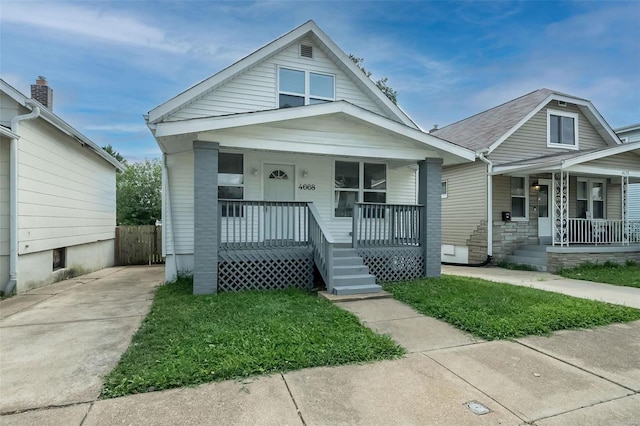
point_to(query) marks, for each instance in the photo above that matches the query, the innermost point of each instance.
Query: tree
(381, 84)
(139, 193)
(115, 154)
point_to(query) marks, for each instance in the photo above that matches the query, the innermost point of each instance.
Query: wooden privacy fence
(138, 245)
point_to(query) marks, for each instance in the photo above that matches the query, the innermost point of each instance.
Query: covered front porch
(576, 205)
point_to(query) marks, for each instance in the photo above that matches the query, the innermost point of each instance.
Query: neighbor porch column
(430, 196)
(205, 217)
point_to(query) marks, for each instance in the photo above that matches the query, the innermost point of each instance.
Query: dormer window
(562, 129)
(297, 88)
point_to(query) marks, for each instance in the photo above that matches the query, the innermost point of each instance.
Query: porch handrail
(603, 231)
(322, 244)
(380, 224)
(257, 224)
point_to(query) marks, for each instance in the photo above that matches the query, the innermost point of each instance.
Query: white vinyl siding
(624, 161)
(66, 192)
(180, 171)
(530, 140)
(256, 89)
(465, 206)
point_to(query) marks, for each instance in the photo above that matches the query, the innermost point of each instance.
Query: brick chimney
(42, 93)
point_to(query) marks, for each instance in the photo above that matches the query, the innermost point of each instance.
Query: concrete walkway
(619, 295)
(589, 377)
(59, 340)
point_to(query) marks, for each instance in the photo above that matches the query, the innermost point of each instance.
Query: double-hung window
(518, 197)
(562, 129)
(298, 87)
(590, 199)
(230, 181)
(357, 181)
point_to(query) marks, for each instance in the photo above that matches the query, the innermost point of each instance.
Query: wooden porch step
(347, 261)
(342, 270)
(356, 289)
(344, 252)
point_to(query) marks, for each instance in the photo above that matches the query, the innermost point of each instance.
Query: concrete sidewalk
(589, 377)
(619, 295)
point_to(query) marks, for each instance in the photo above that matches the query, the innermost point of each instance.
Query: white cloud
(110, 26)
(118, 127)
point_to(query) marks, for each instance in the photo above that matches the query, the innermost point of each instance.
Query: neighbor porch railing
(386, 225)
(603, 231)
(247, 224)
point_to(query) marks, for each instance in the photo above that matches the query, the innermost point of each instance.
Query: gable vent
(306, 51)
(562, 103)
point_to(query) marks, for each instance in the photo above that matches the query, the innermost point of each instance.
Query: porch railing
(247, 224)
(377, 224)
(603, 231)
(322, 244)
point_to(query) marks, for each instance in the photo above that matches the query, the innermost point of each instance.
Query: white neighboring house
(293, 157)
(629, 134)
(57, 194)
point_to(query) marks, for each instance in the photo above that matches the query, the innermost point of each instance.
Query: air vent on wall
(306, 51)
(562, 103)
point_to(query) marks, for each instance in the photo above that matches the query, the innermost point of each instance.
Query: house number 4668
(307, 186)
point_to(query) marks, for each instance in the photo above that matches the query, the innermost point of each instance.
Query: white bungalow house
(550, 187)
(290, 158)
(57, 194)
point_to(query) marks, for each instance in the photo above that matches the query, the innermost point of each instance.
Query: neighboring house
(630, 134)
(57, 194)
(293, 157)
(549, 189)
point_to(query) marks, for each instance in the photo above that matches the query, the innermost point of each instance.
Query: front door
(279, 185)
(544, 211)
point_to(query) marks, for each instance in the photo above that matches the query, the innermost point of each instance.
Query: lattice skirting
(265, 269)
(393, 263)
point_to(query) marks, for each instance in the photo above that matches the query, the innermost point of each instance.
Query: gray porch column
(430, 196)
(205, 217)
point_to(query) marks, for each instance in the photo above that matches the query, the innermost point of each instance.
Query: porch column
(560, 208)
(205, 217)
(430, 196)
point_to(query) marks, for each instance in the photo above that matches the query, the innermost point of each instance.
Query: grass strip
(187, 340)
(627, 275)
(501, 311)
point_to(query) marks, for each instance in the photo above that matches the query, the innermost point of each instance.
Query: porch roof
(572, 161)
(309, 117)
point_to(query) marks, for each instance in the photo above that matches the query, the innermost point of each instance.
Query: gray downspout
(13, 197)
(165, 178)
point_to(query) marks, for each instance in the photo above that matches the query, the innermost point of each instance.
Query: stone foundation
(578, 256)
(507, 236)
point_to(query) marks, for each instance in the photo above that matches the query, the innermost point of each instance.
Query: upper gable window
(562, 129)
(297, 88)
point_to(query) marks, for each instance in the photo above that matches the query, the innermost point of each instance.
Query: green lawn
(501, 311)
(187, 340)
(610, 273)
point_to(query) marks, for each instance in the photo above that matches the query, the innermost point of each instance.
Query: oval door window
(278, 174)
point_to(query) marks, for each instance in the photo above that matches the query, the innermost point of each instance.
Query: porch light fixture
(254, 171)
(304, 173)
(535, 185)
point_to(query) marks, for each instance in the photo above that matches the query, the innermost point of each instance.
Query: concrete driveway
(59, 340)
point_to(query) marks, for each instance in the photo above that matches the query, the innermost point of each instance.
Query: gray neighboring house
(550, 187)
(291, 158)
(631, 134)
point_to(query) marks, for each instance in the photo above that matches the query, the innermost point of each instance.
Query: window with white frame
(230, 180)
(444, 189)
(518, 197)
(590, 198)
(299, 87)
(356, 181)
(562, 129)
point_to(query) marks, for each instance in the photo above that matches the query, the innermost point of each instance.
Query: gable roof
(488, 129)
(47, 115)
(308, 29)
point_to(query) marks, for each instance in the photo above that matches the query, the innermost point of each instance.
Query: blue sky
(111, 62)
